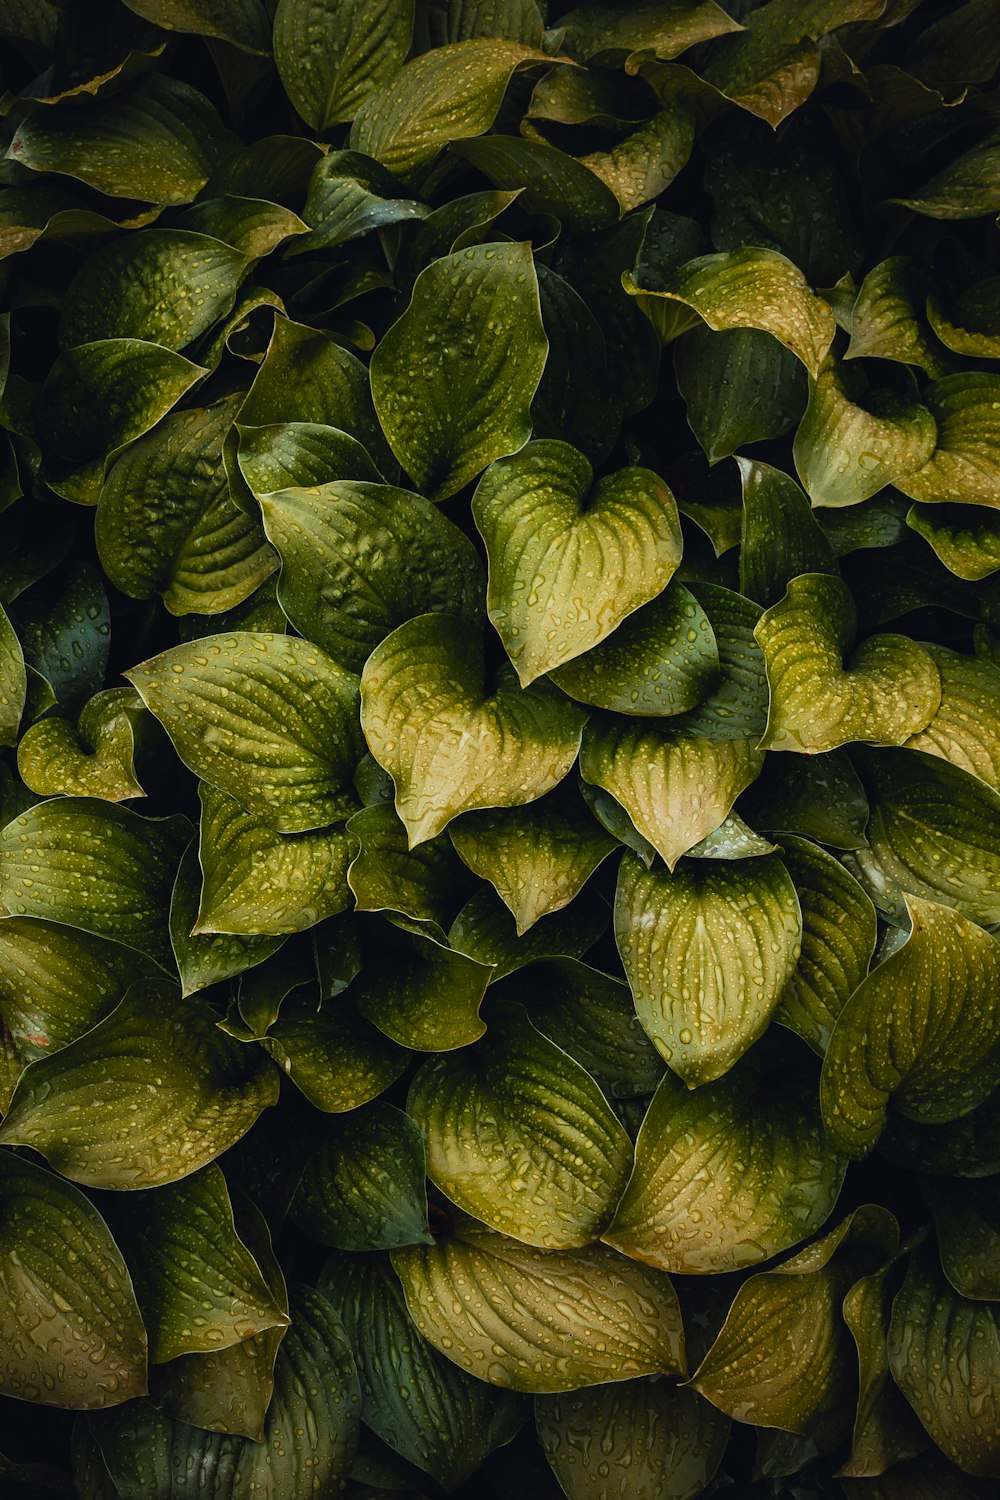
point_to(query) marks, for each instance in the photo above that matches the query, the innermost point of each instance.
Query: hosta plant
(500, 687)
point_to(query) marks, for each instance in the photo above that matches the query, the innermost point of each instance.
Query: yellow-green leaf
(332, 54)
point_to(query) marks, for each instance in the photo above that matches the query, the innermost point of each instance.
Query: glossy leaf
(331, 54)
(204, 959)
(965, 465)
(335, 1057)
(781, 536)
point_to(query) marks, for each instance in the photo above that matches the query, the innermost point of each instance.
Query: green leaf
(420, 992)
(454, 377)
(256, 881)
(655, 1438)
(707, 952)
(98, 398)
(95, 866)
(204, 959)
(166, 286)
(350, 195)
(885, 1428)
(966, 540)
(92, 759)
(159, 139)
(839, 929)
(781, 536)
(362, 1185)
(574, 401)
(964, 730)
(646, 161)
(969, 326)
(751, 288)
(675, 789)
(537, 858)
(253, 226)
(546, 180)
(944, 1351)
(197, 1284)
(784, 1357)
(966, 188)
(359, 559)
(727, 1176)
(964, 468)
(13, 682)
(310, 1433)
(570, 559)
(421, 1404)
(149, 1095)
(242, 23)
(642, 31)
(71, 1329)
(449, 744)
(591, 1016)
(935, 832)
(446, 95)
(485, 930)
(521, 1137)
(166, 525)
(537, 1320)
(852, 442)
(386, 875)
(918, 1032)
(268, 719)
(888, 691)
(968, 1236)
(57, 982)
(969, 1147)
(740, 386)
(885, 321)
(336, 1058)
(68, 642)
(661, 661)
(331, 54)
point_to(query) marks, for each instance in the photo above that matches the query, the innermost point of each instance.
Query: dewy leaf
(944, 1351)
(268, 719)
(846, 450)
(350, 195)
(149, 1095)
(966, 727)
(736, 707)
(839, 929)
(781, 536)
(362, 1185)
(934, 831)
(647, 160)
(965, 189)
(885, 1428)
(13, 682)
(751, 288)
(740, 386)
(964, 468)
(160, 140)
(784, 1357)
(57, 982)
(521, 1137)
(70, 1326)
(546, 180)
(359, 559)
(68, 643)
(331, 54)
(485, 930)
(385, 875)
(454, 377)
(99, 397)
(204, 959)
(446, 95)
(642, 31)
(655, 1438)
(242, 23)
(707, 952)
(256, 881)
(335, 1057)
(95, 866)
(570, 559)
(885, 322)
(420, 992)
(310, 1432)
(919, 1033)
(967, 1225)
(166, 525)
(538, 858)
(674, 788)
(421, 1404)
(888, 691)
(727, 1176)
(965, 538)
(450, 745)
(591, 1016)
(536, 1320)
(197, 1284)
(95, 758)
(662, 660)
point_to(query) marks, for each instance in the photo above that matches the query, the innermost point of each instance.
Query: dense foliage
(500, 673)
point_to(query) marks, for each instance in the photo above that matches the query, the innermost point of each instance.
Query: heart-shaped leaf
(269, 719)
(331, 54)
(521, 1137)
(537, 1320)
(93, 759)
(453, 379)
(449, 744)
(964, 468)
(149, 1095)
(71, 1329)
(966, 539)
(675, 789)
(919, 1032)
(964, 729)
(707, 951)
(889, 689)
(570, 559)
(359, 559)
(727, 1176)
